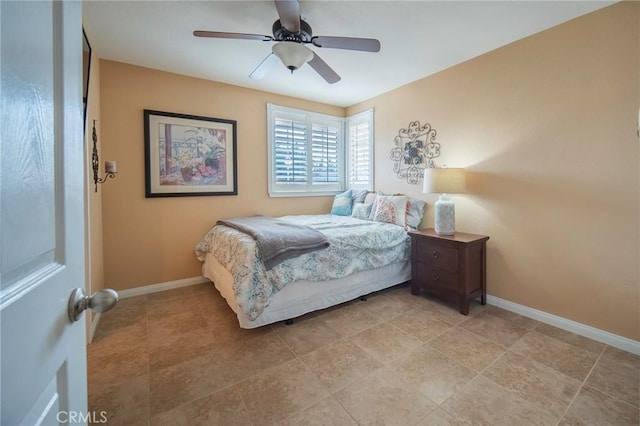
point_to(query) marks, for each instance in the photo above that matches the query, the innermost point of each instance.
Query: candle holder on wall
(109, 166)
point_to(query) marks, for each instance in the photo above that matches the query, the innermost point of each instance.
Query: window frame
(310, 189)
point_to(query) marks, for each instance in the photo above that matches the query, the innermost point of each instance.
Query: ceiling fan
(292, 34)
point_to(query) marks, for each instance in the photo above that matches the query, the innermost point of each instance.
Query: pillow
(359, 196)
(391, 209)
(373, 198)
(370, 198)
(342, 204)
(415, 212)
(361, 210)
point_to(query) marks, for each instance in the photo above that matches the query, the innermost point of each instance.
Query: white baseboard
(602, 336)
(94, 325)
(155, 288)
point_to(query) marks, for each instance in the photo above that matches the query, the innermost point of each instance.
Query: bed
(363, 257)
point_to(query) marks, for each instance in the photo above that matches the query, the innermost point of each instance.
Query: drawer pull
(436, 276)
(436, 254)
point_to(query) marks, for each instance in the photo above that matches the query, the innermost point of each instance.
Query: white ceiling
(418, 38)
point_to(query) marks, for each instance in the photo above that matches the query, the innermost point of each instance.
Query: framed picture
(188, 155)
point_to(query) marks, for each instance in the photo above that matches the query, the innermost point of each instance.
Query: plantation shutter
(360, 151)
(290, 151)
(325, 155)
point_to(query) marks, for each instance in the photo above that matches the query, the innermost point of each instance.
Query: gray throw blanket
(278, 240)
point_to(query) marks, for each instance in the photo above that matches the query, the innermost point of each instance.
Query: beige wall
(94, 271)
(149, 241)
(546, 127)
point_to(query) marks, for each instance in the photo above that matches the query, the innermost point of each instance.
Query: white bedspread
(355, 245)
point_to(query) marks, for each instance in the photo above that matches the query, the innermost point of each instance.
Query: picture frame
(189, 155)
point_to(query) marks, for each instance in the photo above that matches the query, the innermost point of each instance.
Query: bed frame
(301, 297)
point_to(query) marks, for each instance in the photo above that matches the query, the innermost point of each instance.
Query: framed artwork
(188, 155)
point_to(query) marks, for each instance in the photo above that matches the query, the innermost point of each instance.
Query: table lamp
(444, 181)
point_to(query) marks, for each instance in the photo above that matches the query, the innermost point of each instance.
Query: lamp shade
(443, 181)
(293, 55)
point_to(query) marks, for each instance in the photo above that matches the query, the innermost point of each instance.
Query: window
(360, 152)
(309, 154)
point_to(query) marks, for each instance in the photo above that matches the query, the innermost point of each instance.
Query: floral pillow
(372, 197)
(390, 209)
(342, 204)
(361, 210)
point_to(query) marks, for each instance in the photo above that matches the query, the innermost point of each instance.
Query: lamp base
(445, 216)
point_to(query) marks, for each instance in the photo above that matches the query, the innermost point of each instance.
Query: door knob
(100, 301)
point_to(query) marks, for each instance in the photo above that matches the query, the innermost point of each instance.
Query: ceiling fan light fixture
(293, 55)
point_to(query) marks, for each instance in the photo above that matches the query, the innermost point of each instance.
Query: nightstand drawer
(431, 277)
(436, 254)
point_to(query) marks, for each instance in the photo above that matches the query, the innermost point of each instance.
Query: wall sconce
(109, 166)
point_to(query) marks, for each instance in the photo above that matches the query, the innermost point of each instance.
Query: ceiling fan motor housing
(280, 33)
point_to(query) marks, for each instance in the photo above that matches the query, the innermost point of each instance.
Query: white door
(43, 354)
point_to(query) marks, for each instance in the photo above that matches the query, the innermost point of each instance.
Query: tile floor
(179, 358)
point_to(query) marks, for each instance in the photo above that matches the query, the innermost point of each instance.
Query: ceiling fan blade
(350, 43)
(265, 66)
(323, 69)
(241, 36)
(289, 12)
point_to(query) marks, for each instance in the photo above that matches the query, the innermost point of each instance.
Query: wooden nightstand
(452, 266)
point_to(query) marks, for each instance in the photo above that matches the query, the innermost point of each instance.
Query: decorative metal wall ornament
(414, 151)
